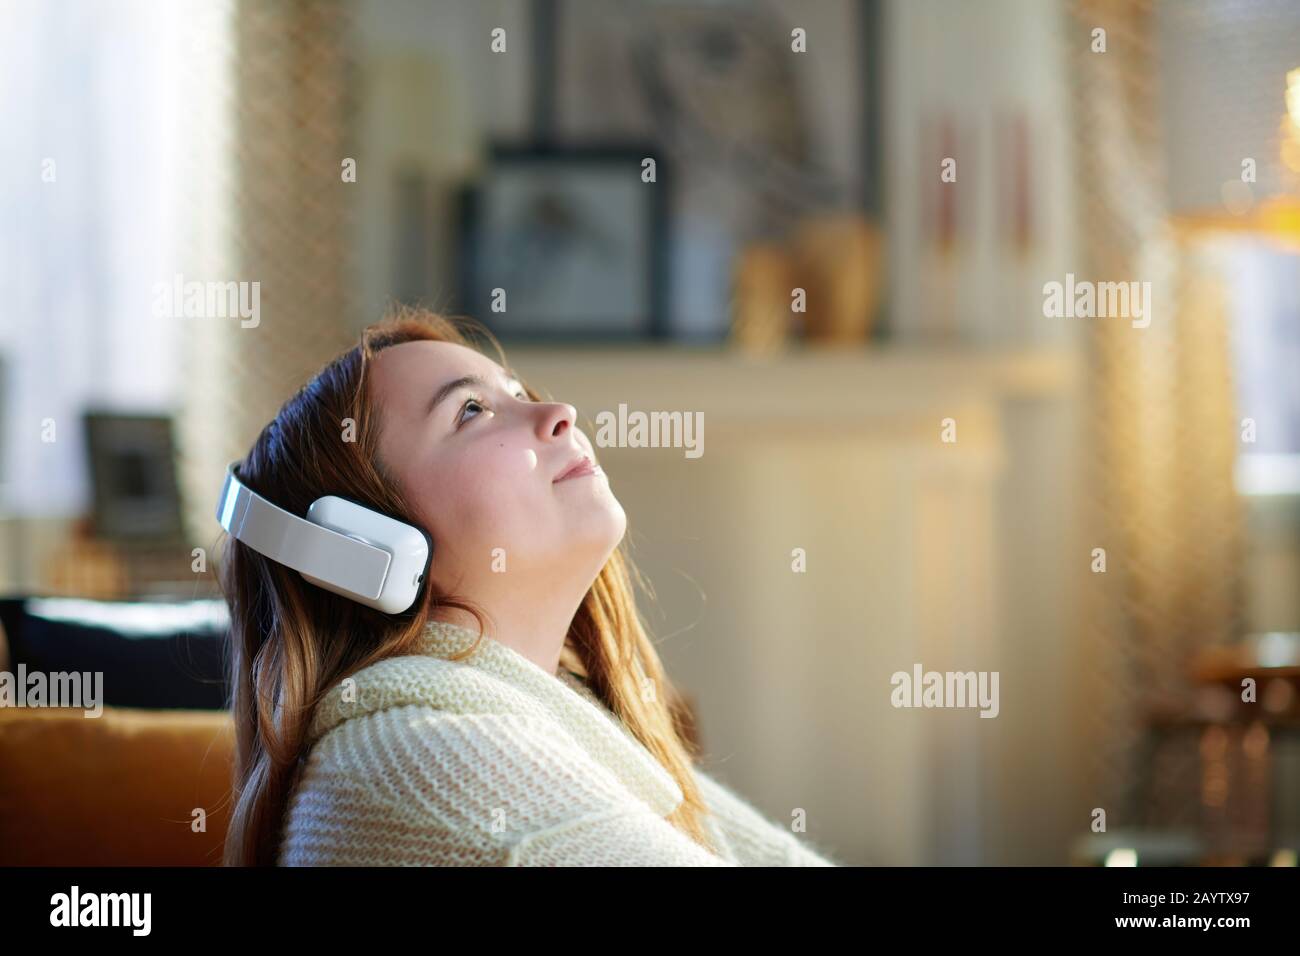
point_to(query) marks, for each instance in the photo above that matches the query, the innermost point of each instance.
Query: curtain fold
(271, 207)
(1163, 439)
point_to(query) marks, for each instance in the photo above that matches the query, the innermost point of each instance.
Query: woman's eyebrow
(465, 381)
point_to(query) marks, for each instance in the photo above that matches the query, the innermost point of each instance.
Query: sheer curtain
(1164, 438)
(90, 219)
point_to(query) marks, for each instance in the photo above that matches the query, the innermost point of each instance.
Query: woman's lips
(583, 469)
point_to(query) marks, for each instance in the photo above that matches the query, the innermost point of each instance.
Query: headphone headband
(341, 546)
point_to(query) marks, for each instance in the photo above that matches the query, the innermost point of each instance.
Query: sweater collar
(563, 697)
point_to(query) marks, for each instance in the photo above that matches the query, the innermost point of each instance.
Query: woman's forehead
(406, 373)
(430, 363)
(432, 356)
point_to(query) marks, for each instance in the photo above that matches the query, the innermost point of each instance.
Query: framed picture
(758, 137)
(566, 243)
(133, 474)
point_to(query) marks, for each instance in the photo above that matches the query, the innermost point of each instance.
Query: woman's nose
(557, 418)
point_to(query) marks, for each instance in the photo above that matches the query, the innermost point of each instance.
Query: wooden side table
(1239, 797)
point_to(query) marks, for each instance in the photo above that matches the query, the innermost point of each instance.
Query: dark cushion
(164, 654)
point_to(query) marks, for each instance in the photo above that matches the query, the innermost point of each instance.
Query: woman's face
(479, 462)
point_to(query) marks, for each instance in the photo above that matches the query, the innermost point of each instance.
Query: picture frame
(757, 141)
(573, 237)
(133, 476)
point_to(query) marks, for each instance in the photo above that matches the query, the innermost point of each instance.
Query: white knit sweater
(423, 761)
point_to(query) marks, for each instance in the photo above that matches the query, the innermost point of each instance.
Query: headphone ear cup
(409, 547)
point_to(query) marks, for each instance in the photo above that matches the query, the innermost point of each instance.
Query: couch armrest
(120, 789)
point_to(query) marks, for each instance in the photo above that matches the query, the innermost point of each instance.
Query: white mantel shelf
(826, 389)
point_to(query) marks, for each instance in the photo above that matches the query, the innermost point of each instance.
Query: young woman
(516, 713)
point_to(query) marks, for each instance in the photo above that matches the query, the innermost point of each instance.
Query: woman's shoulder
(401, 785)
(494, 778)
(411, 786)
(472, 783)
(420, 681)
(405, 750)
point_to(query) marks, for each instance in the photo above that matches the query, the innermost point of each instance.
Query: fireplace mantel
(825, 389)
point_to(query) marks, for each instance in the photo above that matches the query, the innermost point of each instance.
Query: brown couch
(121, 789)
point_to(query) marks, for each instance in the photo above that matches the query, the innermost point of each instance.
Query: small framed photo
(573, 239)
(133, 475)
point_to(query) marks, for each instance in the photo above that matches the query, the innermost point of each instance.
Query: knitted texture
(491, 761)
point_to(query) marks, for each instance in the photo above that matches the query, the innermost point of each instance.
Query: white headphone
(340, 546)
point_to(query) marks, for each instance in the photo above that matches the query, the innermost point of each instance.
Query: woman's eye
(468, 402)
(476, 400)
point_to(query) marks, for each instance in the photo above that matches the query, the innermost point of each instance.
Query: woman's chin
(603, 525)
